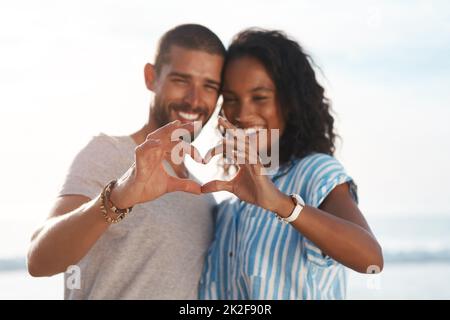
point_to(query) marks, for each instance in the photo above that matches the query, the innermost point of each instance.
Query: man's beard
(162, 112)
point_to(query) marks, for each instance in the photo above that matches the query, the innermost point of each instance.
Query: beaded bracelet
(106, 203)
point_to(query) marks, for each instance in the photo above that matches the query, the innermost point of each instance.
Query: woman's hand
(250, 183)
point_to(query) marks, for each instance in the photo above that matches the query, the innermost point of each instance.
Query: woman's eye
(229, 100)
(260, 98)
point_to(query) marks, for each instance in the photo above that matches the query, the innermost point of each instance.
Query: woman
(269, 83)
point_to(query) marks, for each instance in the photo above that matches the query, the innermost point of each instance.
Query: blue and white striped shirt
(255, 256)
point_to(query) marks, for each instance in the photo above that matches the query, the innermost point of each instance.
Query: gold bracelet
(106, 204)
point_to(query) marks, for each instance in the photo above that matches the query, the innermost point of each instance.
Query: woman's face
(249, 97)
(250, 100)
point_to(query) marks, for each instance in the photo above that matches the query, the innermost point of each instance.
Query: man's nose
(193, 96)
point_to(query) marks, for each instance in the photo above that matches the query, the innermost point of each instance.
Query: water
(414, 239)
(402, 281)
(18, 284)
(417, 265)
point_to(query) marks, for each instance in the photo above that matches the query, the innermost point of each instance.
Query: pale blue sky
(69, 70)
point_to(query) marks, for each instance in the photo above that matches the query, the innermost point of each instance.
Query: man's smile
(188, 116)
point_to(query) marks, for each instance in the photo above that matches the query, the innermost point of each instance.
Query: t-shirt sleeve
(326, 174)
(91, 170)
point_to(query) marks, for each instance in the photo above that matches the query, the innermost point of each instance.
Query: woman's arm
(338, 228)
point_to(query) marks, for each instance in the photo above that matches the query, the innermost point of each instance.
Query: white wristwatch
(300, 204)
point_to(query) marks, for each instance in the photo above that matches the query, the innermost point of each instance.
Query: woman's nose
(246, 113)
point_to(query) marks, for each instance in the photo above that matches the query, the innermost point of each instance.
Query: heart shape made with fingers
(239, 149)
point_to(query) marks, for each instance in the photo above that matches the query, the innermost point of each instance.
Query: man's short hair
(188, 36)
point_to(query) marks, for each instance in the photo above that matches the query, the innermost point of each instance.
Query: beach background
(417, 266)
(66, 67)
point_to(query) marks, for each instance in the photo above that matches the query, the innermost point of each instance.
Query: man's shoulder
(104, 144)
(104, 140)
(103, 151)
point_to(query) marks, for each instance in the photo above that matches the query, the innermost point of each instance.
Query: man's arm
(74, 225)
(76, 222)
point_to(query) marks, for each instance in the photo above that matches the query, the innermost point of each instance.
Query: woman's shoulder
(316, 175)
(311, 173)
(314, 162)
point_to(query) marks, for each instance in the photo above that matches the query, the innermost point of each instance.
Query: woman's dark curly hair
(305, 109)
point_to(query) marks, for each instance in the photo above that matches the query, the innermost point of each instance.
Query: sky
(69, 70)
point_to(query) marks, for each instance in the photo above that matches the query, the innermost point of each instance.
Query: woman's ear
(150, 76)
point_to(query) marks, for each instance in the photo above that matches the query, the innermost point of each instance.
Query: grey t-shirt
(157, 251)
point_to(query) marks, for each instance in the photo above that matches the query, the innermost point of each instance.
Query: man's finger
(217, 185)
(173, 130)
(147, 147)
(192, 151)
(185, 127)
(177, 150)
(162, 130)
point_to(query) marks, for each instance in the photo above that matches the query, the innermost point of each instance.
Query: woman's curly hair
(305, 109)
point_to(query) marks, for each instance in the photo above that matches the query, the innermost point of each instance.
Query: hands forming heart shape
(147, 179)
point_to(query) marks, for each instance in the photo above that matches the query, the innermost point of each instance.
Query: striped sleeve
(325, 175)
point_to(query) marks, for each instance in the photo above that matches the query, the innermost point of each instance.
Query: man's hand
(147, 179)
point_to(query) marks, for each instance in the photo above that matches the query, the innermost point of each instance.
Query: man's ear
(150, 76)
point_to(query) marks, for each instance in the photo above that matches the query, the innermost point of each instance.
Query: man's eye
(179, 80)
(212, 88)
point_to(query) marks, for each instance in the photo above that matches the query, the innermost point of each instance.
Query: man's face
(187, 87)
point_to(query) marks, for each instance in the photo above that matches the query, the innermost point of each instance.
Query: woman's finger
(249, 150)
(225, 123)
(245, 159)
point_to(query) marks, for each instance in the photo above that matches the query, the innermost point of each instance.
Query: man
(157, 250)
